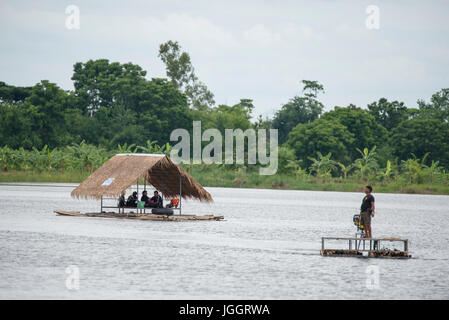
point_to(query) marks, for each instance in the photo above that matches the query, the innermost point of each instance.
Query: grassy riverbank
(236, 179)
(31, 176)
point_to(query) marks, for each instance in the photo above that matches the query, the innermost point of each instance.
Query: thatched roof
(122, 171)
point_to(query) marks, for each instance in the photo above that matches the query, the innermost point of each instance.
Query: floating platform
(140, 216)
(366, 247)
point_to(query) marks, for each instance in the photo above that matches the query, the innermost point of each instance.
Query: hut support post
(101, 204)
(138, 195)
(180, 194)
(144, 189)
(162, 189)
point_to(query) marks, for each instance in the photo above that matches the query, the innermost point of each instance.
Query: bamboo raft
(140, 216)
(365, 247)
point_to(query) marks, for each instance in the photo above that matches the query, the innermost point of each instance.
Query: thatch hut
(123, 170)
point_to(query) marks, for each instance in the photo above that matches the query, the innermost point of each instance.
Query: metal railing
(367, 244)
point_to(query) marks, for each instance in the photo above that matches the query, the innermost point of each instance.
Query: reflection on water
(267, 248)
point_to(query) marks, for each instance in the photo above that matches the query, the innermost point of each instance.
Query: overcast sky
(241, 49)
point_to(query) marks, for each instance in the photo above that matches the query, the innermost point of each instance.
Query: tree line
(114, 106)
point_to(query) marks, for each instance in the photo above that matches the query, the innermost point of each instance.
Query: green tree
(13, 94)
(321, 135)
(300, 109)
(388, 114)
(419, 136)
(366, 131)
(182, 75)
(118, 105)
(230, 117)
(437, 108)
(45, 108)
(16, 126)
(99, 83)
(166, 109)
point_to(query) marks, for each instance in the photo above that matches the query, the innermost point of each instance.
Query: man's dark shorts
(365, 219)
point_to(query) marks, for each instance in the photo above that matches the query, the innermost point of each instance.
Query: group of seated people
(153, 202)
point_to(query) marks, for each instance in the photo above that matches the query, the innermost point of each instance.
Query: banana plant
(345, 169)
(41, 159)
(6, 156)
(413, 169)
(153, 147)
(61, 160)
(295, 165)
(22, 159)
(86, 157)
(432, 170)
(322, 165)
(150, 147)
(367, 162)
(125, 148)
(386, 174)
(166, 149)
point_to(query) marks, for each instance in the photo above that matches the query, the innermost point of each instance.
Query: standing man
(367, 211)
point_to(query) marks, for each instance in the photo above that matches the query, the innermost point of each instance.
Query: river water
(267, 248)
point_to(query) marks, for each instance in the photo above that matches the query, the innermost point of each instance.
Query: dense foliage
(115, 108)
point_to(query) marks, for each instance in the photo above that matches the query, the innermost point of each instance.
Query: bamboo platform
(137, 216)
(366, 247)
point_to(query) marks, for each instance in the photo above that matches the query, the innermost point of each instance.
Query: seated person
(173, 203)
(132, 200)
(121, 200)
(144, 197)
(156, 201)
